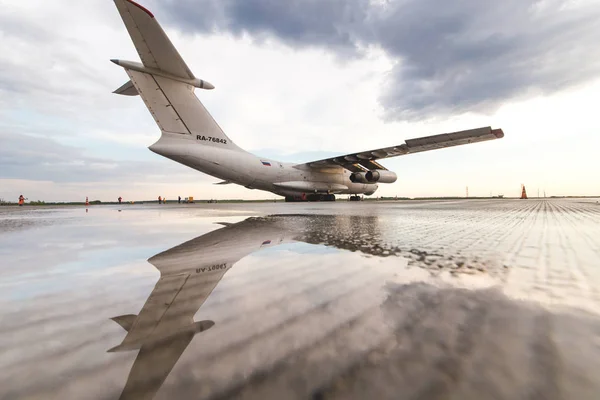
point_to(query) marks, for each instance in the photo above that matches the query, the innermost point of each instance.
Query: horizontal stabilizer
(128, 89)
(126, 321)
(222, 183)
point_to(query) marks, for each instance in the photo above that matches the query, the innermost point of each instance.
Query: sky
(299, 80)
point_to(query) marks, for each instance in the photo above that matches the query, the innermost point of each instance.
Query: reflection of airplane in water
(386, 343)
(188, 274)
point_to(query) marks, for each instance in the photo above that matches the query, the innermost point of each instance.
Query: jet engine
(381, 175)
(358, 177)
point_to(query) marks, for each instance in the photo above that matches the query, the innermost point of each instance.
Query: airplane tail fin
(165, 83)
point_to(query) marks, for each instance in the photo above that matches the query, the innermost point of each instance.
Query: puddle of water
(161, 303)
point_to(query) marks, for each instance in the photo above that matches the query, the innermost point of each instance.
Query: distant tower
(467, 191)
(523, 192)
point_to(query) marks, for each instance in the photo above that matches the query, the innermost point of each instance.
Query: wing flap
(450, 139)
(366, 160)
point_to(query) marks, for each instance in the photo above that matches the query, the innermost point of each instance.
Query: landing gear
(310, 197)
(320, 197)
(355, 198)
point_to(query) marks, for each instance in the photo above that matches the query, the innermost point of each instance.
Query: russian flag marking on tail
(265, 163)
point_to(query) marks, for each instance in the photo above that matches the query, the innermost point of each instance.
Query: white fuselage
(243, 168)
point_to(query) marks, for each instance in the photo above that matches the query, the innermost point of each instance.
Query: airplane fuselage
(235, 165)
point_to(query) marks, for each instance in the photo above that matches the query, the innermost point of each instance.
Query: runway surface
(467, 299)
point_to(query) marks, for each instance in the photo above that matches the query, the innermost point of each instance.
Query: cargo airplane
(190, 136)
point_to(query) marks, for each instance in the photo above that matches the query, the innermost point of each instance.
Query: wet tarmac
(478, 299)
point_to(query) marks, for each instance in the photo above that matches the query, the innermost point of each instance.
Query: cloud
(302, 80)
(43, 159)
(450, 57)
(333, 24)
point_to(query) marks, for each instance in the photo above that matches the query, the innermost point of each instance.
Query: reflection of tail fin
(152, 365)
(155, 361)
(165, 82)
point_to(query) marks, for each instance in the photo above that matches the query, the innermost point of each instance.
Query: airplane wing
(152, 44)
(367, 160)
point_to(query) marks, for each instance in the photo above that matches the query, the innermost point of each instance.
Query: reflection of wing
(366, 160)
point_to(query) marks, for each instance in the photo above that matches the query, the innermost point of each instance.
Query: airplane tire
(293, 199)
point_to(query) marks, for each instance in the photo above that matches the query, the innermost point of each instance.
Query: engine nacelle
(381, 175)
(358, 177)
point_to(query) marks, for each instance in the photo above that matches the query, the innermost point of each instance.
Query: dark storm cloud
(334, 23)
(452, 56)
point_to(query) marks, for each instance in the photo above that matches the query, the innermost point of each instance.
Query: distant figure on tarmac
(21, 200)
(164, 200)
(159, 200)
(179, 199)
(120, 199)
